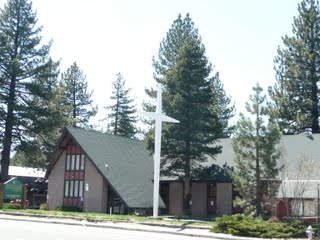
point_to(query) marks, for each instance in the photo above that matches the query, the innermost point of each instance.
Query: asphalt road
(21, 230)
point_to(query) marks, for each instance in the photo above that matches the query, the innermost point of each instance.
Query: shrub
(69, 209)
(44, 206)
(241, 225)
(11, 206)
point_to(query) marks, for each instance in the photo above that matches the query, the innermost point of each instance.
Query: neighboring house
(295, 197)
(36, 184)
(298, 179)
(298, 198)
(116, 171)
(298, 191)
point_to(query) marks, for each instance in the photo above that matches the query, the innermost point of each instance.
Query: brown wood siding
(176, 199)
(199, 200)
(224, 199)
(56, 183)
(96, 197)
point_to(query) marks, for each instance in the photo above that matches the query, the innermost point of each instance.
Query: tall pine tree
(22, 58)
(254, 145)
(48, 108)
(295, 95)
(122, 118)
(189, 96)
(76, 93)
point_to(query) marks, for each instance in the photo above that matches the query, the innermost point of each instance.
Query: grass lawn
(111, 217)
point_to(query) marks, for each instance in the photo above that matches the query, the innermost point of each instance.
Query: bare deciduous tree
(296, 180)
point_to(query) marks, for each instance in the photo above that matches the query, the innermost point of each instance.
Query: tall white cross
(159, 117)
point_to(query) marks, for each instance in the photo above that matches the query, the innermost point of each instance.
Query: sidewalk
(150, 227)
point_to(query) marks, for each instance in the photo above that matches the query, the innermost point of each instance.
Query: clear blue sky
(109, 36)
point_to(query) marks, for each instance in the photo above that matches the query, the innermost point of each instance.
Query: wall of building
(96, 198)
(224, 199)
(199, 200)
(176, 199)
(56, 183)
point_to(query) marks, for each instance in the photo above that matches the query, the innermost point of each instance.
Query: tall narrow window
(80, 188)
(72, 161)
(82, 162)
(66, 189)
(71, 189)
(68, 163)
(77, 162)
(76, 189)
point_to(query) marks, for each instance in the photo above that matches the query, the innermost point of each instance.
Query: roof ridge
(99, 132)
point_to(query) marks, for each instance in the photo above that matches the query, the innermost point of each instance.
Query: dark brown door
(212, 198)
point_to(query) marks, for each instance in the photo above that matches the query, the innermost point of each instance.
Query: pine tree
(191, 97)
(122, 112)
(295, 95)
(254, 145)
(221, 105)
(77, 95)
(22, 58)
(49, 112)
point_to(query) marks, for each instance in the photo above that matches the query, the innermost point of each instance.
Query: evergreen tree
(254, 145)
(48, 108)
(221, 105)
(77, 95)
(190, 96)
(122, 112)
(22, 59)
(295, 95)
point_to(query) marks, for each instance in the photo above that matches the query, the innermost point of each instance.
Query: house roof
(124, 162)
(291, 146)
(26, 172)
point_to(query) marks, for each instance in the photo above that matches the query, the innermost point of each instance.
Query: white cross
(159, 117)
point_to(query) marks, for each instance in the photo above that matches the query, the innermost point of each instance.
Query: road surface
(21, 230)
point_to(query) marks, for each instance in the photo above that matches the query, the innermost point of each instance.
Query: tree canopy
(77, 96)
(256, 154)
(25, 72)
(122, 118)
(191, 96)
(295, 96)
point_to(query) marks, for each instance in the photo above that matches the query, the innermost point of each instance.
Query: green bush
(69, 209)
(44, 206)
(11, 206)
(241, 225)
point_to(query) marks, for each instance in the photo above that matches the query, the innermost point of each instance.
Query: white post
(86, 192)
(156, 172)
(159, 118)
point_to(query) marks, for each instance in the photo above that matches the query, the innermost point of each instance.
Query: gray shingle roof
(291, 145)
(130, 166)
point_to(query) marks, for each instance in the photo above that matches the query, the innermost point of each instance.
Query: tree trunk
(74, 106)
(187, 193)
(314, 87)
(7, 139)
(314, 107)
(258, 180)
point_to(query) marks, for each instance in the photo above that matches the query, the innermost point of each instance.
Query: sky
(106, 37)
